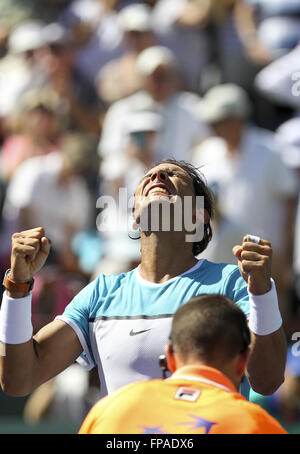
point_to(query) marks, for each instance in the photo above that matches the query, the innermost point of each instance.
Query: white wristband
(265, 317)
(15, 320)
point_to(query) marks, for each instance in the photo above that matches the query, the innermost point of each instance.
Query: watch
(16, 286)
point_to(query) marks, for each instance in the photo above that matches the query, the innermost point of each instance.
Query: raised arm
(267, 362)
(27, 361)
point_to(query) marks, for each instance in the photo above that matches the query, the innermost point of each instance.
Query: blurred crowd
(94, 92)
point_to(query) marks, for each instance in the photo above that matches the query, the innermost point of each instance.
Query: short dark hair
(210, 327)
(201, 188)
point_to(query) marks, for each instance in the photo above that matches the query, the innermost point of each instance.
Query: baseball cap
(153, 57)
(142, 122)
(28, 35)
(54, 33)
(288, 137)
(224, 101)
(135, 17)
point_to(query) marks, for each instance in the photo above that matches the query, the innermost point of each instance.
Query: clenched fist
(30, 250)
(255, 262)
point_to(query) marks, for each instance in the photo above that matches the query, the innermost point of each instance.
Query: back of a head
(210, 329)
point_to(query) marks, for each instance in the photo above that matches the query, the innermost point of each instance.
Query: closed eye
(169, 172)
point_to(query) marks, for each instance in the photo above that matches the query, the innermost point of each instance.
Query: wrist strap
(15, 320)
(265, 317)
(13, 286)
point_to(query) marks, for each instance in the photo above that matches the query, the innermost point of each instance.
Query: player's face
(165, 183)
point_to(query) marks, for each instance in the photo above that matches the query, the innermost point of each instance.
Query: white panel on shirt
(126, 349)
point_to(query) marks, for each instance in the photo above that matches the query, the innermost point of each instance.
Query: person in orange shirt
(208, 355)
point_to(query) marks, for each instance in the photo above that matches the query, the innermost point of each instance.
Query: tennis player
(121, 323)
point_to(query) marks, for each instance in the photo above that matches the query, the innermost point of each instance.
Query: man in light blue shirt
(121, 323)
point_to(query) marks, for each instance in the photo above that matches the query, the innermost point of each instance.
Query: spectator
(84, 106)
(276, 24)
(119, 78)
(38, 125)
(50, 190)
(237, 49)
(141, 131)
(20, 68)
(237, 54)
(201, 396)
(243, 160)
(122, 173)
(95, 25)
(181, 128)
(181, 26)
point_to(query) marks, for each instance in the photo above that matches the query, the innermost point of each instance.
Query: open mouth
(158, 188)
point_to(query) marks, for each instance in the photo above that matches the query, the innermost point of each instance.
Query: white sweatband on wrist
(15, 320)
(265, 317)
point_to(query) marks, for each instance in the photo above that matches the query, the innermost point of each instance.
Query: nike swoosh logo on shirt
(134, 333)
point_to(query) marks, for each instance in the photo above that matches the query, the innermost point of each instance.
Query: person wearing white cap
(119, 78)
(155, 57)
(20, 69)
(26, 36)
(123, 171)
(255, 187)
(140, 136)
(160, 92)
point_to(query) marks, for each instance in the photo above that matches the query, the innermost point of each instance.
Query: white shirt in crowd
(253, 185)
(181, 128)
(53, 205)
